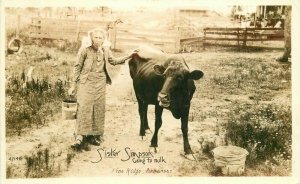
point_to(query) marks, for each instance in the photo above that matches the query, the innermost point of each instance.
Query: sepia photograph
(144, 89)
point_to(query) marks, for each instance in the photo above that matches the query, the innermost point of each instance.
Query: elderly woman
(90, 79)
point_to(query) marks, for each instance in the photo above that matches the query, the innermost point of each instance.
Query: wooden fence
(130, 37)
(122, 37)
(63, 29)
(240, 36)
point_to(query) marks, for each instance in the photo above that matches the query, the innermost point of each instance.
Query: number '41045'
(15, 158)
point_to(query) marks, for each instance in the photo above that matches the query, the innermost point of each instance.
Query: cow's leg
(184, 128)
(158, 122)
(143, 107)
(146, 125)
(186, 144)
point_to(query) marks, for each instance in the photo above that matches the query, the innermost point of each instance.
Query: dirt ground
(121, 135)
(118, 155)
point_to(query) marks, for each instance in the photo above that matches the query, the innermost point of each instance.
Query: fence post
(18, 25)
(204, 37)
(177, 43)
(77, 30)
(238, 37)
(245, 37)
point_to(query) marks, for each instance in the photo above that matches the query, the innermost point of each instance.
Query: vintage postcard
(149, 91)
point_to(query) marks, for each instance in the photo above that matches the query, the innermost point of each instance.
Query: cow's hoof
(191, 157)
(148, 131)
(153, 149)
(143, 138)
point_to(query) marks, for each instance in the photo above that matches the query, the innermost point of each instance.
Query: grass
(270, 169)
(34, 104)
(43, 163)
(235, 86)
(39, 99)
(70, 156)
(231, 80)
(253, 75)
(250, 93)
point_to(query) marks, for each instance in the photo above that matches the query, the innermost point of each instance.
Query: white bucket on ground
(69, 108)
(231, 159)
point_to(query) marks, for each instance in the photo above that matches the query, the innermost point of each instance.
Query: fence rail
(241, 35)
(122, 37)
(65, 29)
(167, 40)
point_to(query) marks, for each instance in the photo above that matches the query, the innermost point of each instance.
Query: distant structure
(262, 16)
(266, 12)
(197, 12)
(273, 16)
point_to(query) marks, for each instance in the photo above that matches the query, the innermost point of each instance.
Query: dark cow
(165, 81)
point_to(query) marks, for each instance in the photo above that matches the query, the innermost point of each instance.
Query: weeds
(264, 130)
(213, 170)
(41, 165)
(44, 164)
(70, 156)
(62, 45)
(31, 102)
(9, 172)
(252, 76)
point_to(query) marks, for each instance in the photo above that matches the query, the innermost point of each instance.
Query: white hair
(106, 42)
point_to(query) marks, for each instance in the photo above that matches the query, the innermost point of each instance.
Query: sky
(129, 5)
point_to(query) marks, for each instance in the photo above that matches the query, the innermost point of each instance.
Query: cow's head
(175, 91)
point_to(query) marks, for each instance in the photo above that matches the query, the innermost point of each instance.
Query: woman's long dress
(91, 98)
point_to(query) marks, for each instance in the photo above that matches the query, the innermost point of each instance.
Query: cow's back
(146, 82)
(142, 62)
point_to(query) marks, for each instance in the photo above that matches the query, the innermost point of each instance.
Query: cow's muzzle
(164, 100)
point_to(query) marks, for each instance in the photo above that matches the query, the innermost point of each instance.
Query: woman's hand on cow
(130, 53)
(125, 58)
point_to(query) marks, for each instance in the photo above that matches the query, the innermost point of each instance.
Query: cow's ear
(159, 69)
(196, 74)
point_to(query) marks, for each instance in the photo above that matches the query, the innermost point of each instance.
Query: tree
(287, 35)
(235, 9)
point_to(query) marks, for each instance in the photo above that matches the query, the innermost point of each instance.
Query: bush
(264, 130)
(31, 102)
